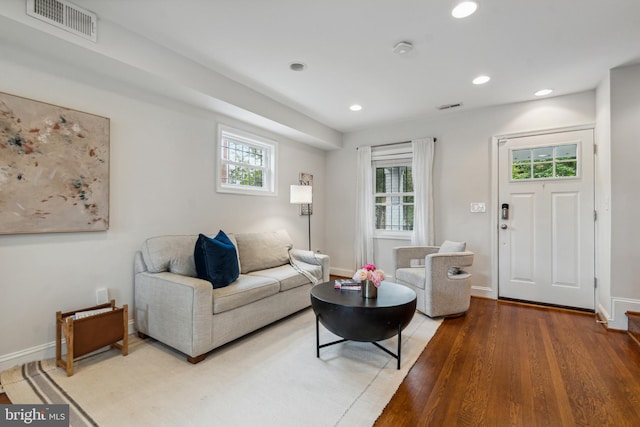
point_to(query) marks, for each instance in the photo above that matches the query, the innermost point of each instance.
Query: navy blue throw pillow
(216, 260)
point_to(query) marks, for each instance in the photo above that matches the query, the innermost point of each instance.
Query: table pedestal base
(394, 355)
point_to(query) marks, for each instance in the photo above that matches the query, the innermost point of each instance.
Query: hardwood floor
(506, 364)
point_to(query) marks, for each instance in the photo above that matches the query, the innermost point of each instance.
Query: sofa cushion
(245, 290)
(413, 275)
(216, 259)
(170, 253)
(260, 251)
(286, 275)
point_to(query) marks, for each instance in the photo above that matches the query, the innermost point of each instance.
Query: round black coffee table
(354, 318)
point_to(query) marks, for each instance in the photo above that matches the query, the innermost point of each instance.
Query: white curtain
(422, 169)
(364, 207)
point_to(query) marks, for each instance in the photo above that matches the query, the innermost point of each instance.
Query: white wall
(463, 173)
(625, 203)
(603, 196)
(162, 182)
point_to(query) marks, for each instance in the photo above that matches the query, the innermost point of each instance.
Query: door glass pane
(521, 164)
(543, 170)
(521, 171)
(560, 161)
(543, 154)
(566, 152)
(566, 169)
(521, 156)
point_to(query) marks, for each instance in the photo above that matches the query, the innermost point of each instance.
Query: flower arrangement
(369, 272)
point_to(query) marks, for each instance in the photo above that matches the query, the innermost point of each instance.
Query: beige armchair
(442, 286)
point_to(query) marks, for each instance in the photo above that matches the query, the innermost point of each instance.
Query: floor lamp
(302, 195)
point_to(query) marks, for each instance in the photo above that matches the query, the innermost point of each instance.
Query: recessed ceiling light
(355, 107)
(480, 80)
(464, 9)
(543, 92)
(297, 66)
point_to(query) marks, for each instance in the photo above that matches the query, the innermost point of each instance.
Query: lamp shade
(301, 194)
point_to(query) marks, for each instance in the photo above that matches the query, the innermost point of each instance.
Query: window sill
(393, 236)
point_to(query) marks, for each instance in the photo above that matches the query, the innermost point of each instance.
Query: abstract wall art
(54, 168)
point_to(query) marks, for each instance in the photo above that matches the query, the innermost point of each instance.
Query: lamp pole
(309, 216)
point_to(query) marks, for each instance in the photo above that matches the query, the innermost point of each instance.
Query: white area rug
(269, 378)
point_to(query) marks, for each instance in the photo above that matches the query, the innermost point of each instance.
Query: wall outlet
(477, 207)
(102, 296)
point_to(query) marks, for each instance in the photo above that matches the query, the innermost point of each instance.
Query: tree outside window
(394, 198)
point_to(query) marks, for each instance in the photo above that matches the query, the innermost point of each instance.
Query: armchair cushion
(415, 276)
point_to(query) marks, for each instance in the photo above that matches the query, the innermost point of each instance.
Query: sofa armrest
(403, 255)
(174, 309)
(138, 264)
(309, 257)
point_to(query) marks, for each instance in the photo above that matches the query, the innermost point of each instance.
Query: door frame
(492, 292)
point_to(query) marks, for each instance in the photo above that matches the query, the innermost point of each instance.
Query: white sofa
(177, 308)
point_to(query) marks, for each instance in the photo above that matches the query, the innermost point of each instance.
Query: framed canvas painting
(54, 168)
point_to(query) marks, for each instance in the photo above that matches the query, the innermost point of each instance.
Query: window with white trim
(393, 192)
(246, 163)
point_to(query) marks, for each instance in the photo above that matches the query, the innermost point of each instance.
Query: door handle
(503, 226)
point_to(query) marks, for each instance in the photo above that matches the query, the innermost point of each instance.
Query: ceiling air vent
(65, 15)
(449, 106)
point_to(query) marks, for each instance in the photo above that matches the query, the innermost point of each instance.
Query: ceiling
(346, 45)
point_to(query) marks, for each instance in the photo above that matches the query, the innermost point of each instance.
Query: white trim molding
(619, 306)
(39, 352)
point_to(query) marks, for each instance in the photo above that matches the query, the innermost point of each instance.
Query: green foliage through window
(394, 198)
(246, 163)
(558, 161)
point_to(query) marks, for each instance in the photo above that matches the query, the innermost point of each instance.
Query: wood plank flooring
(506, 364)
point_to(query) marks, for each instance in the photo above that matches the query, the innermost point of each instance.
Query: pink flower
(369, 272)
(376, 276)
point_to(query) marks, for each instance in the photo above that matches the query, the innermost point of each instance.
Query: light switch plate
(102, 296)
(477, 207)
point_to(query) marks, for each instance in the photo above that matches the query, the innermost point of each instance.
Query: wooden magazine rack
(87, 334)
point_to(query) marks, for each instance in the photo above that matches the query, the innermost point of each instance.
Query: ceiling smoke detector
(402, 48)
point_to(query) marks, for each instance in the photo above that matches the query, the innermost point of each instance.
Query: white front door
(546, 236)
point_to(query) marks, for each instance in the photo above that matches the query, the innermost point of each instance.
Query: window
(551, 162)
(393, 196)
(246, 163)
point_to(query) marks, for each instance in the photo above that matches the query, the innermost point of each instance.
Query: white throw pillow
(449, 246)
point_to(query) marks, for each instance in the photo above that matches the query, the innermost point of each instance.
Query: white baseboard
(39, 352)
(619, 306)
(483, 292)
